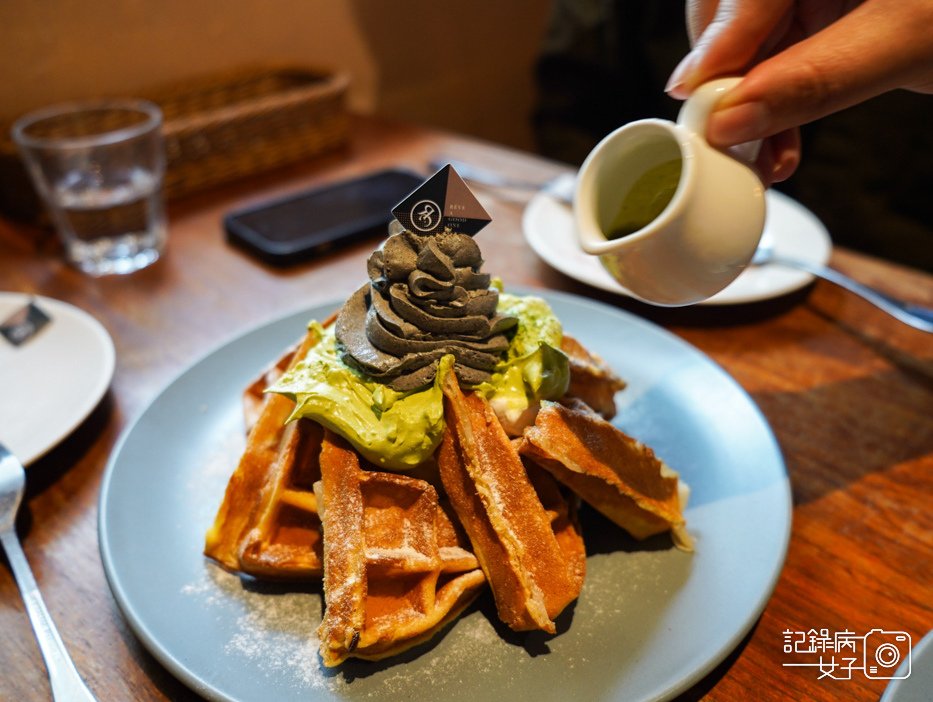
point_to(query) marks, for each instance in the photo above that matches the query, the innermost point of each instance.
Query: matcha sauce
(646, 199)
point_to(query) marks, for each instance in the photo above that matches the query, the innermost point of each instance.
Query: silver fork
(916, 316)
(67, 685)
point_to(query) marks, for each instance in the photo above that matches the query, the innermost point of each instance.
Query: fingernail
(739, 123)
(785, 165)
(677, 84)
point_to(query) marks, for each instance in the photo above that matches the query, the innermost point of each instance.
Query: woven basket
(220, 128)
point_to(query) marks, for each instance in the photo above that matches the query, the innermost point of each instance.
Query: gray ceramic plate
(650, 622)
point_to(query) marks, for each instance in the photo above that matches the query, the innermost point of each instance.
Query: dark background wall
(867, 172)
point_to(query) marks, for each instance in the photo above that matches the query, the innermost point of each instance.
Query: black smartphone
(299, 227)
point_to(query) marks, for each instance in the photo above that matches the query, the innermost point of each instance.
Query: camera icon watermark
(879, 654)
(883, 653)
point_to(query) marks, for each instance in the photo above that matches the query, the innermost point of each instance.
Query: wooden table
(847, 390)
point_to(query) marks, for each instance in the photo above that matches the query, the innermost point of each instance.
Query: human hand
(801, 61)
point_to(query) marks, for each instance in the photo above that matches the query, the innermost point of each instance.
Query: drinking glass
(99, 166)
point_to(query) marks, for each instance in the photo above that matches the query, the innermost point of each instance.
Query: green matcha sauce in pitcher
(646, 199)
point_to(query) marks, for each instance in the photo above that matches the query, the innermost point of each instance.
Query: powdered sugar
(273, 631)
(277, 634)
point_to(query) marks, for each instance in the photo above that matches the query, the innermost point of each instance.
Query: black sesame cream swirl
(425, 299)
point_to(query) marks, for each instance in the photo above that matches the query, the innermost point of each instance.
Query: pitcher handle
(696, 111)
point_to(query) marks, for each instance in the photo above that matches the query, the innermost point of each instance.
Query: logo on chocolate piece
(425, 215)
(23, 324)
(443, 202)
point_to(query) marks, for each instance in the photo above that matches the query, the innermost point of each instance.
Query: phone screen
(301, 226)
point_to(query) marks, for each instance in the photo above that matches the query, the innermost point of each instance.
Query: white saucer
(50, 384)
(913, 679)
(794, 231)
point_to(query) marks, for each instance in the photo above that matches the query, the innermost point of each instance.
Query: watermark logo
(878, 654)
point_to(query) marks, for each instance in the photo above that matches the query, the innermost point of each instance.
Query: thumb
(879, 46)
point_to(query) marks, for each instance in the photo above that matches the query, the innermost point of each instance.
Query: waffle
(619, 476)
(591, 379)
(254, 395)
(395, 569)
(532, 576)
(396, 564)
(561, 511)
(267, 524)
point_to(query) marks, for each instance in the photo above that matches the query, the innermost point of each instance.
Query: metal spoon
(916, 316)
(67, 685)
(560, 188)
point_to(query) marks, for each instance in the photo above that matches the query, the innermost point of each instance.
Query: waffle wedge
(531, 576)
(591, 379)
(267, 523)
(395, 569)
(562, 514)
(619, 476)
(254, 395)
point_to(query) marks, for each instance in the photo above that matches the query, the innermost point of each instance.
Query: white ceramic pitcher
(704, 237)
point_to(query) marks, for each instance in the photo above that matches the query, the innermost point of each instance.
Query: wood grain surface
(847, 390)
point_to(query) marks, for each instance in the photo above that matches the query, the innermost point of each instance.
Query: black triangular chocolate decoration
(443, 202)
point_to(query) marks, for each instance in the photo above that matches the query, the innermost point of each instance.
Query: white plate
(50, 384)
(650, 622)
(794, 230)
